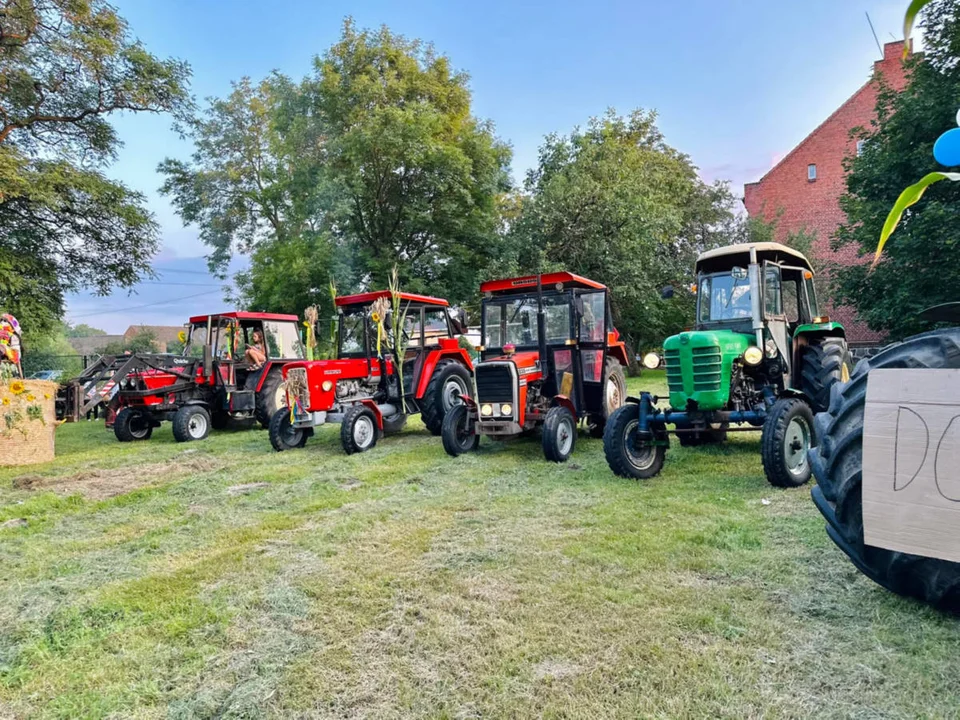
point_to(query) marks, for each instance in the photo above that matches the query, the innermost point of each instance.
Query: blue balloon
(946, 150)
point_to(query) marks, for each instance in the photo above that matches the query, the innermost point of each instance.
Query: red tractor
(362, 389)
(550, 357)
(210, 382)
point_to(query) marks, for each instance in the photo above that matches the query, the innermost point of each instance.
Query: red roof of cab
(369, 297)
(530, 282)
(241, 315)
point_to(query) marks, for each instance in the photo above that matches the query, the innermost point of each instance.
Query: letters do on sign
(911, 462)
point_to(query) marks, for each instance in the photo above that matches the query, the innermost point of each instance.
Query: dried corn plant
(398, 316)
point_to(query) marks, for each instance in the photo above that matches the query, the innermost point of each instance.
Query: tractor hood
(699, 367)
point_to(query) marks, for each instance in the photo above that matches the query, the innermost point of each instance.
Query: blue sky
(736, 83)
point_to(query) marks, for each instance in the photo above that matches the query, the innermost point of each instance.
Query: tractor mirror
(667, 292)
(739, 273)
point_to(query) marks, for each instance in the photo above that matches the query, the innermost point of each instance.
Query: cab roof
(241, 315)
(529, 282)
(739, 255)
(370, 297)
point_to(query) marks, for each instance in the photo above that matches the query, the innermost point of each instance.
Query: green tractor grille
(698, 367)
(674, 373)
(707, 367)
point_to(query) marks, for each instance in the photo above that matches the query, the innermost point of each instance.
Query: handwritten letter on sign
(911, 462)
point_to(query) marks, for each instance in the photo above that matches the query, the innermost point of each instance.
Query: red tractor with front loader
(212, 380)
(550, 357)
(363, 388)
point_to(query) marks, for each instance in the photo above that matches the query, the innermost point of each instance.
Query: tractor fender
(430, 364)
(618, 350)
(564, 401)
(794, 393)
(376, 411)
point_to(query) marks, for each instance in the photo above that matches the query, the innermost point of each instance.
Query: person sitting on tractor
(256, 354)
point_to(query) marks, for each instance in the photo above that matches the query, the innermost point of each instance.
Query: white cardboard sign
(911, 462)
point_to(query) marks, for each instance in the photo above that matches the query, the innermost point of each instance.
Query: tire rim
(363, 430)
(645, 457)
(453, 388)
(564, 436)
(796, 443)
(613, 396)
(280, 398)
(197, 426)
(138, 427)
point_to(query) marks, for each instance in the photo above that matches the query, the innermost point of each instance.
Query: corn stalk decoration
(311, 315)
(333, 317)
(397, 317)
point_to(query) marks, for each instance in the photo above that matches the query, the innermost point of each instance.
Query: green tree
(144, 340)
(65, 65)
(82, 330)
(614, 202)
(918, 268)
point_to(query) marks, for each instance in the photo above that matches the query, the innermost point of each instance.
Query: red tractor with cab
(212, 381)
(362, 388)
(549, 358)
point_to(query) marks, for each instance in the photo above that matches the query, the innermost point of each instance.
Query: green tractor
(760, 357)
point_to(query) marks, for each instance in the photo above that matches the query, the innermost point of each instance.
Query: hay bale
(27, 421)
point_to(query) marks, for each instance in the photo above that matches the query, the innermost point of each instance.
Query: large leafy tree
(918, 268)
(614, 202)
(65, 65)
(374, 160)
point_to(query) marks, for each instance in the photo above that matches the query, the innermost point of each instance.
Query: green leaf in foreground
(907, 198)
(908, 19)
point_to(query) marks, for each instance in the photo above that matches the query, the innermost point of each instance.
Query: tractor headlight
(651, 361)
(486, 409)
(753, 355)
(506, 409)
(327, 385)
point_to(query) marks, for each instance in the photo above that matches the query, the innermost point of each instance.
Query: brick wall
(813, 205)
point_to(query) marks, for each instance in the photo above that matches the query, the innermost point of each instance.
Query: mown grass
(403, 583)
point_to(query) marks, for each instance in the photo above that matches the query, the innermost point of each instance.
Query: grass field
(220, 579)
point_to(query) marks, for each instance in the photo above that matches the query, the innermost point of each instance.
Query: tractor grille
(297, 386)
(494, 383)
(706, 369)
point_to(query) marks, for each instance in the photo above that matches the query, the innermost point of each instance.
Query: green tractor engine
(699, 366)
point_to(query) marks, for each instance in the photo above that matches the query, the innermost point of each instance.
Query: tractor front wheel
(131, 425)
(191, 422)
(627, 455)
(358, 431)
(785, 440)
(458, 434)
(450, 380)
(283, 435)
(559, 434)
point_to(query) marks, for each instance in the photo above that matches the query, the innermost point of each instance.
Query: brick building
(165, 339)
(804, 188)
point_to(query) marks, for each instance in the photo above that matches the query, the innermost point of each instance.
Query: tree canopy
(65, 65)
(917, 269)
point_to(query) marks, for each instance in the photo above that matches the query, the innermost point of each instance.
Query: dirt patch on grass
(108, 483)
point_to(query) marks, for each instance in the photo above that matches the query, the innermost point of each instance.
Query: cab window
(591, 321)
(492, 335)
(283, 340)
(413, 328)
(435, 326)
(352, 327)
(772, 301)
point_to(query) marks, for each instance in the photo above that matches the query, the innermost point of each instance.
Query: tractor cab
(547, 342)
(364, 387)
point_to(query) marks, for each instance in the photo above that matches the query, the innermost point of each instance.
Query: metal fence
(47, 366)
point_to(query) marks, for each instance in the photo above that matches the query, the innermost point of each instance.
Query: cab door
(592, 348)
(773, 313)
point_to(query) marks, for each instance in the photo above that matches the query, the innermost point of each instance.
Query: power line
(164, 282)
(140, 307)
(185, 272)
(875, 38)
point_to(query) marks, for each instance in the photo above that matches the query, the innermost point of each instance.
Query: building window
(861, 144)
(811, 172)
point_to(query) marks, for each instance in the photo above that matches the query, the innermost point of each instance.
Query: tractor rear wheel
(191, 422)
(626, 455)
(785, 440)
(450, 380)
(358, 430)
(283, 435)
(272, 397)
(131, 425)
(614, 395)
(458, 434)
(838, 462)
(822, 365)
(559, 434)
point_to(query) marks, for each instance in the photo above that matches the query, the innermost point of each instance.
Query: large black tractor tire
(620, 447)
(283, 435)
(785, 442)
(358, 430)
(559, 434)
(713, 436)
(614, 395)
(131, 425)
(272, 397)
(837, 464)
(191, 422)
(450, 380)
(822, 365)
(457, 435)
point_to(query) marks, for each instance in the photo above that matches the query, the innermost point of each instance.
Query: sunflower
(17, 387)
(6, 401)
(31, 397)
(46, 396)
(375, 316)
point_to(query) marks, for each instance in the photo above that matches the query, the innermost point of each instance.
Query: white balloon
(958, 117)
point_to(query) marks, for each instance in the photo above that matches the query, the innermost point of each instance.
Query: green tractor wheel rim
(796, 444)
(641, 458)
